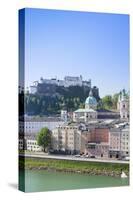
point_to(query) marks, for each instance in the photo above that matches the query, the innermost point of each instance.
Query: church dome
(91, 101)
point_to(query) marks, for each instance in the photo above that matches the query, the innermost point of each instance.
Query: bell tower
(123, 105)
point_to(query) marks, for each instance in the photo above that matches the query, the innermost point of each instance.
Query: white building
(125, 141)
(21, 144)
(72, 81)
(66, 139)
(31, 144)
(84, 115)
(114, 142)
(32, 89)
(71, 139)
(64, 115)
(119, 141)
(88, 113)
(32, 126)
(66, 82)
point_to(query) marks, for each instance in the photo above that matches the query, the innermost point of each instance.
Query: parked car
(77, 155)
(92, 157)
(87, 156)
(126, 158)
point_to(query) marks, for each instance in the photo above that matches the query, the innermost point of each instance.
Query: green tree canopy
(44, 138)
(107, 101)
(115, 100)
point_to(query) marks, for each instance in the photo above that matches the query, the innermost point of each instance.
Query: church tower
(123, 105)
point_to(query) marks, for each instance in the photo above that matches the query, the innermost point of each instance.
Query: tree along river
(42, 180)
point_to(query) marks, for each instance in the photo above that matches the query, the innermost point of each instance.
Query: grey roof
(43, 119)
(106, 111)
(85, 110)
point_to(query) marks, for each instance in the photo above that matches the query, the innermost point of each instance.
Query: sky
(94, 45)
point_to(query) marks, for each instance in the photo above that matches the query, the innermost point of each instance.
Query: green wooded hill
(44, 102)
(49, 101)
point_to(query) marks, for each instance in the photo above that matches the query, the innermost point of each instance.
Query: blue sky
(95, 45)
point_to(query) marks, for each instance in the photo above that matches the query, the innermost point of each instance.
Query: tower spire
(90, 93)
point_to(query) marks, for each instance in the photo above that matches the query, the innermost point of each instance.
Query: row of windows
(90, 116)
(35, 147)
(114, 142)
(124, 148)
(114, 147)
(124, 134)
(71, 138)
(56, 134)
(68, 128)
(117, 139)
(32, 143)
(125, 143)
(124, 139)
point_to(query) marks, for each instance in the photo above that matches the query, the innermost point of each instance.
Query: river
(41, 180)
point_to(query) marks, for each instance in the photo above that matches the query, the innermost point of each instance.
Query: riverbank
(91, 168)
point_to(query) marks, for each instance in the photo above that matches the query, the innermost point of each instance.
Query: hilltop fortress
(66, 82)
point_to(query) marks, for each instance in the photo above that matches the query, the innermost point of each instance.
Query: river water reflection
(41, 180)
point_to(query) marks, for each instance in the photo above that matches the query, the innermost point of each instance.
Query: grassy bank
(92, 168)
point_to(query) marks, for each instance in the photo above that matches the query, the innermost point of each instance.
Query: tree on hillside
(110, 102)
(115, 100)
(100, 105)
(107, 102)
(44, 138)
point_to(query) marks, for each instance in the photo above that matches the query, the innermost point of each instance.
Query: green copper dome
(91, 100)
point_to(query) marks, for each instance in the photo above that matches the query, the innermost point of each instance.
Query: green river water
(41, 180)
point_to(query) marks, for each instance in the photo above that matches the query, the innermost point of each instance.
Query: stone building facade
(66, 139)
(125, 141)
(98, 143)
(73, 140)
(119, 145)
(114, 147)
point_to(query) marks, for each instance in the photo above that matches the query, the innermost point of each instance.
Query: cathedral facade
(89, 112)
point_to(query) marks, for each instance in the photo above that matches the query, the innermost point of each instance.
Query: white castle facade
(66, 82)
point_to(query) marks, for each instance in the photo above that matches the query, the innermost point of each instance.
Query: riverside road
(61, 157)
